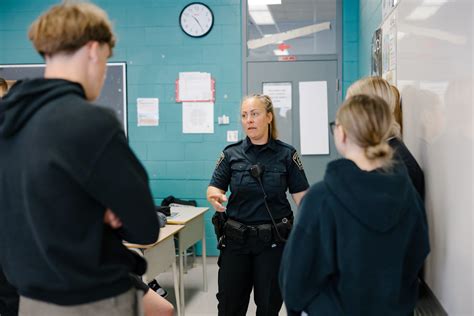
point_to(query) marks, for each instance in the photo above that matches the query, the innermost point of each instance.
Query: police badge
(297, 161)
(219, 160)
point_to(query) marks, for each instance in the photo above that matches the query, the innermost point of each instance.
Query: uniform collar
(271, 144)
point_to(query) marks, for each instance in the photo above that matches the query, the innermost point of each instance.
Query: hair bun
(381, 150)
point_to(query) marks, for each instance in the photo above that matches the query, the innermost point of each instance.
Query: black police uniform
(252, 253)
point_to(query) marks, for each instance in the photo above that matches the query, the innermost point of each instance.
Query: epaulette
(279, 142)
(234, 144)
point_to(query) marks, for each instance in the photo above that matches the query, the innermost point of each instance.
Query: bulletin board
(114, 92)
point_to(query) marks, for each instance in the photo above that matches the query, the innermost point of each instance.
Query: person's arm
(297, 197)
(219, 183)
(297, 182)
(120, 183)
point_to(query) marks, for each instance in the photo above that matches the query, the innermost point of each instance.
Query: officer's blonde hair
(367, 121)
(377, 86)
(268, 104)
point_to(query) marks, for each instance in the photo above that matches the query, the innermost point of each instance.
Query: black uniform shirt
(282, 170)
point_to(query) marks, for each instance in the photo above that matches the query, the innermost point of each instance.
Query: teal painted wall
(370, 17)
(350, 43)
(156, 50)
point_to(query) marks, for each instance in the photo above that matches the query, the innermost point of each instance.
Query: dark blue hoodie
(64, 161)
(359, 241)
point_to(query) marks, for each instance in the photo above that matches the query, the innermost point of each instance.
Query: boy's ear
(93, 50)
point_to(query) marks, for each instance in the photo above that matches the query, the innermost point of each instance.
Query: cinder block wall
(156, 50)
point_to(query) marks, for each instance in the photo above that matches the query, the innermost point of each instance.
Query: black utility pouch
(236, 231)
(284, 228)
(265, 233)
(218, 220)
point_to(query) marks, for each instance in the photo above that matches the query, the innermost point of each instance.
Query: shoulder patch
(279, 142)
(234, 144)
(220, 159)
(297, 161)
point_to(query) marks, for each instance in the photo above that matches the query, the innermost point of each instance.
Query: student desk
(161, 255)
(194, 230)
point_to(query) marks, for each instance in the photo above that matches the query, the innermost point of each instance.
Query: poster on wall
(148, 112)
(280, 93)
(376, 65)
(389, 48)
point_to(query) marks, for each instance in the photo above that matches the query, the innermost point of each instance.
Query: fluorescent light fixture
(279, 52)
(261, 15)
(262, 2)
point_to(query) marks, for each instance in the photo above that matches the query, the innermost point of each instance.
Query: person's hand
(111, 219)
(216, 201)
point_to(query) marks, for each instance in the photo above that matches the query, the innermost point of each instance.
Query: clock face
(196, 19)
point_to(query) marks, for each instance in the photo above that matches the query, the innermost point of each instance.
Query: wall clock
(196, 19)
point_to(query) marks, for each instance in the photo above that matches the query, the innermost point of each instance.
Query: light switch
(232, 136)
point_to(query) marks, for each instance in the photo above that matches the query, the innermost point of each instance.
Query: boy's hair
(66, 27)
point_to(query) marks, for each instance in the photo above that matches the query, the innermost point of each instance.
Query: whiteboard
(434, 74)
(114, 91)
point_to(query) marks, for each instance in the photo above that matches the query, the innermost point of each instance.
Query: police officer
(259, 170)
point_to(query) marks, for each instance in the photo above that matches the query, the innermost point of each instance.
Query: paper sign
(195, 86)
(148, 112)
(280, 93)
(198, 117)
(314, 118)
(232, 136)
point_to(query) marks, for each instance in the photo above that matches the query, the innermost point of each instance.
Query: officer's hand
(216, 200)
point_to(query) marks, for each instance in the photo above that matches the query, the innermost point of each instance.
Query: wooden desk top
(183, 214)
(165, 232)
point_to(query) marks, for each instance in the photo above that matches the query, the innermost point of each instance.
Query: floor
(199, 303)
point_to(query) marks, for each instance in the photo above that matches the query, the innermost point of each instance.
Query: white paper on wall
(281, 95)
(198, 117)
(195, 86)
(314, 128)
(148, 112)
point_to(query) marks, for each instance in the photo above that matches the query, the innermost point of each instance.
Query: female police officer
(259, 170)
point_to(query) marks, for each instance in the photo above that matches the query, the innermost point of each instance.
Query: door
(288, 125)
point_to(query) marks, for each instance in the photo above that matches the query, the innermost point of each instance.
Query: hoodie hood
(27, 96)
(377, 199)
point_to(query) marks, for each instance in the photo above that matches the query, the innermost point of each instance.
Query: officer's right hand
(216, 201)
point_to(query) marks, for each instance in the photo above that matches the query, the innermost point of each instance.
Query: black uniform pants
(240, 269)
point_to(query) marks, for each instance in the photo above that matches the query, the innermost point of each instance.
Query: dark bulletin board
(114, 92)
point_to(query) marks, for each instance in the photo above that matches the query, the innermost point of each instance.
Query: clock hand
(198, 22)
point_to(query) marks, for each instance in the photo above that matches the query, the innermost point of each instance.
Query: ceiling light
(263, 2)
(261, 15)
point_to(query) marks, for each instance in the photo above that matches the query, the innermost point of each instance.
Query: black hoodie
(358, 244)
(64, 161)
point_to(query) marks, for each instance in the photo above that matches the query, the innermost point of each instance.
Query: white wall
(434, 72)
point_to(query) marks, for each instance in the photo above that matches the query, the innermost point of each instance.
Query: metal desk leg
(176, 289)
(204, 265)
(181, 280)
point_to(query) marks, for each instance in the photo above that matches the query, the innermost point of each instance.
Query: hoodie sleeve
(309, 256)
(119, 182)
